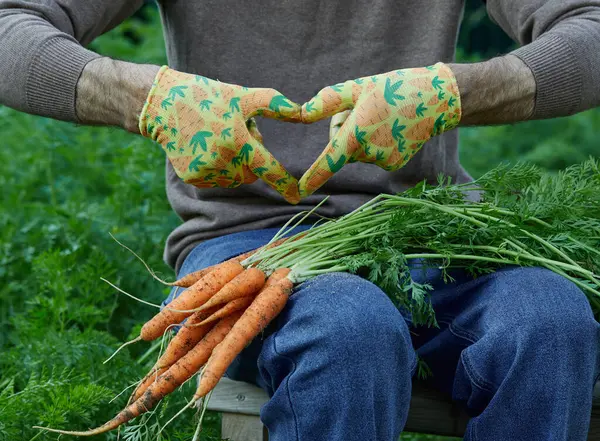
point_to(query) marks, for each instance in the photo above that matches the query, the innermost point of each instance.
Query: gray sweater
(297, 47)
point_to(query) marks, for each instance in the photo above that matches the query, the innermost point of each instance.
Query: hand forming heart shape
(208, 132)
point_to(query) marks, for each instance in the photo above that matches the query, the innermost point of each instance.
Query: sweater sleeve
(42, 53)
(561, 45)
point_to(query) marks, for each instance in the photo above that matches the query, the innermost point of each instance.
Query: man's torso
(299, 48)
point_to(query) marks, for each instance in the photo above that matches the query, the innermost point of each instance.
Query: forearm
(42, 54)
(560, 43)
(498, 91)
(111, 92)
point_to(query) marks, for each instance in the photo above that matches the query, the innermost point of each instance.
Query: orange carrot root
(195, 296)
(243, 302)
(145, 383)
(186, 338)
(265, 307)
(186, 366)
(245, 284)
(231, 307)
(189, 279)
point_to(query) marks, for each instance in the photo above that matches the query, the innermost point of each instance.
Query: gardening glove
(391, 116)
(206, 129)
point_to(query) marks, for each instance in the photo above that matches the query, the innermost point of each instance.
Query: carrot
(166, 383)
(150, 378)
(185, 367)
(191, 278)
(186, 338)
(235, 305)
(247, 283)
(243, 302)
(276, 276)
(193, 297)
(265, 307)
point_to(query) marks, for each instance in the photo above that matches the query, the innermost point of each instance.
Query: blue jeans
(519, 348)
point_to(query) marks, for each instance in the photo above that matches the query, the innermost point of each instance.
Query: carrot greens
(510, 216)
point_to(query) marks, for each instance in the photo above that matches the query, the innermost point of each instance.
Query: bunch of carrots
(523, 218)
(224, 307)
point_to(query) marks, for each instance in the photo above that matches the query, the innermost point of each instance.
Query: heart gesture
(207, 129)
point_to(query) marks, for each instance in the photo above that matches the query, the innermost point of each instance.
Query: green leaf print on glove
(206, 129)
(391, 116)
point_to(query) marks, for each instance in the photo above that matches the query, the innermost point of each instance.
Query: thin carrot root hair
(150, 270)
(130, 295)
(183, 409)
(204, 402)
(134, 384)
(127, 343)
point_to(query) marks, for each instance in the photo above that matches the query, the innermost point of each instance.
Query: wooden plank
(238, 427)
(433, 413)
(594, 433)
(237, 397)
(430, 412)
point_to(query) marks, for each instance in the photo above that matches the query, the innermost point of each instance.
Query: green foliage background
(66, 187)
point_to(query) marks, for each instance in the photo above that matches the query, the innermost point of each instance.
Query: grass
(64, 189)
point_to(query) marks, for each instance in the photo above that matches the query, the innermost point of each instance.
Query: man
(519, 348)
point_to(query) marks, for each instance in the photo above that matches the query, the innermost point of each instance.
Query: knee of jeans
(347, 315)
(556, 314)
(542, 296)
(556, 299)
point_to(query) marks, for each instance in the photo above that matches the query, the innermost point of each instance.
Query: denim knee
(538, 321)
(346, 317)
(338, 365)
(553, 302)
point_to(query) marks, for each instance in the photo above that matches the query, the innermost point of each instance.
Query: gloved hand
(206, 129)
(392, 115)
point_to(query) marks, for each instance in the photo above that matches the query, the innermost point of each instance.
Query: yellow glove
(205, 128)
(391, 116)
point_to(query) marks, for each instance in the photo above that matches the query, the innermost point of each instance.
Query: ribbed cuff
(52, 78)
(557, 74)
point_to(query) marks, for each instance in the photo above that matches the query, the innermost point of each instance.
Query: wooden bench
(430, 412)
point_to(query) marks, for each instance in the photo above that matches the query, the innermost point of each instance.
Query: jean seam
(462, 333)
(475, 378)
(287, 383)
